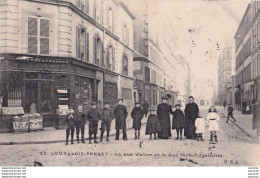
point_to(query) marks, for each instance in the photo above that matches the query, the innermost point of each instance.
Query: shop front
(110, 90)
(44, 86)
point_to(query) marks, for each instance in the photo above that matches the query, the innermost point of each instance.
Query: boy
(70, 126)
(178, 121)
(80, 123)
(93, 116)
(120, 114)
(107, 117)
(137, 114)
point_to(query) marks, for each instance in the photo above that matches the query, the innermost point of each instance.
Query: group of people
(158, 123)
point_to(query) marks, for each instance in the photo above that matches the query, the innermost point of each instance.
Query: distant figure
(212, 122)
(137, 114)
(107, 117)
(230, 113)
(224, 104)
(152, 125)
(178, 121)
(145, 107)
(120, 114)
(200, 124)
(163, 113)
(191, 114)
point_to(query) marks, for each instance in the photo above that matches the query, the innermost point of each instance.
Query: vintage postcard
(129, 83)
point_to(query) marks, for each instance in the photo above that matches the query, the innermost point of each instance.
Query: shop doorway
(31, 99)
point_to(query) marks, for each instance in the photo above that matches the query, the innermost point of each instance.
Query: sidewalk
(51, 135)
(242, 120)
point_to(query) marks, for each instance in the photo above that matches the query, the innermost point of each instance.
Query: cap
(177, 105)
(137, 102)
(191, 97)
(120, 100)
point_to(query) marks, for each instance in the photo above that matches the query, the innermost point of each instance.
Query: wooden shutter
(94, 50)
(87, 47)
(113, 59)
(101, 53)
(44, 36)
(87, 6)
(108, 57)
(78, 3)
(78, 42)
(32, 35)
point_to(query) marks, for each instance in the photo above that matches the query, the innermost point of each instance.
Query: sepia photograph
(120, 83)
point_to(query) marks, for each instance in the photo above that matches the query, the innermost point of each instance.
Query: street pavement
(234, 148)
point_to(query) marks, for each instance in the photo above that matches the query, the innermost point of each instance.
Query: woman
(191, 113)
(212, 122)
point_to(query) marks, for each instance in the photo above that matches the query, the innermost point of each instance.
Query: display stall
(63, 107)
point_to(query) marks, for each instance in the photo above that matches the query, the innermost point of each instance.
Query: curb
(53, 141)
(240, 128)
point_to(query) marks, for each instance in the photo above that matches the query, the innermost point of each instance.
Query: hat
(177, 105)
(164, 98)
(93, 103)
(120, 100)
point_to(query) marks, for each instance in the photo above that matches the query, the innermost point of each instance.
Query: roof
(127, 10)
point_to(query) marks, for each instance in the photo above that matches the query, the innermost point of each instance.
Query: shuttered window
(87, 6)
(87, 47)
(125, 64)
(94, 50)
(82, 44)
(38, 35)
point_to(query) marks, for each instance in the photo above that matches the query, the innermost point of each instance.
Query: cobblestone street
(233, 149)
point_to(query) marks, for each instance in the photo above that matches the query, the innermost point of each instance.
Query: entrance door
(31, 100)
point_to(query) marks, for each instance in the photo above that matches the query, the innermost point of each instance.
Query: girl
(200, 124)
(212, 120)
(152, 125)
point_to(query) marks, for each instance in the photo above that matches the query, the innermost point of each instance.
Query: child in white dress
(212, 122)
(200, 124)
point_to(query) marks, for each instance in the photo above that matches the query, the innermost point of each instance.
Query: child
(93, 116)
(137, 114)
(80, 123)
(70, 126)
(152, 125)
(200, 124)
(107, 117)
(212, 122)
(178, 121)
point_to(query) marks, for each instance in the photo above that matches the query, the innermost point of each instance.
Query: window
(87, 6)
(82, 47)
(94, 9)
(110, 19)
(38, 35)
(125, 64)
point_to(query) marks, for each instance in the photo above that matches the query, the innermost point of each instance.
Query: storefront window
(83, 90)
(46, 97)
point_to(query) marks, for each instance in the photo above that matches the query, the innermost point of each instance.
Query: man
(191, 113)
(137, 114)
(163, 111)
(93, 116)
(145, 107)
(107, 117)
(80, 123)
(230, 113)
(120, 114)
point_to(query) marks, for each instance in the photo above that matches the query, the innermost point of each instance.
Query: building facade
(245, 39)
(83, 46)
(224, 75)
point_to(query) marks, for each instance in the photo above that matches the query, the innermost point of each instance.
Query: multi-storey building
(246, 39)
(83, 46)
(254, 92)
(156, 62)
(224, 74)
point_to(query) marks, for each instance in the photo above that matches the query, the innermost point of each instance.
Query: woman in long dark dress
(191, 113)
(163, 113)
